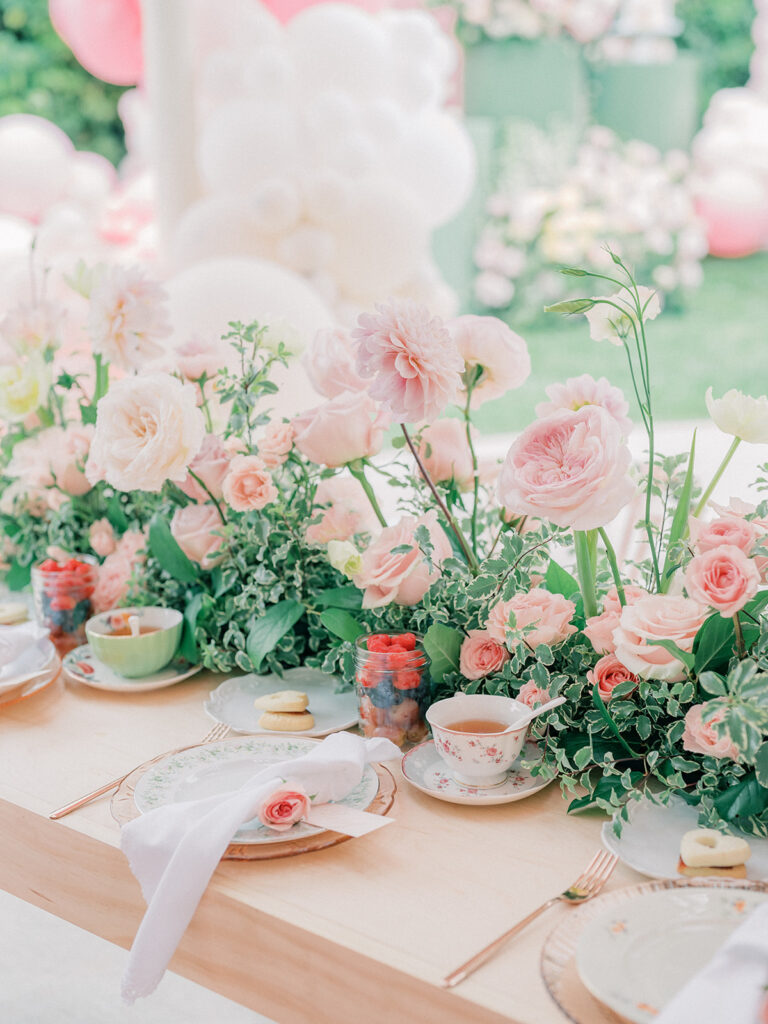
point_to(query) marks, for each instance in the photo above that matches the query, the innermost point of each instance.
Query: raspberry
(398, 659)
(378, 642)
(49, 566)
(408, 641)
(397, 649)
(407, 680)
(366, 679)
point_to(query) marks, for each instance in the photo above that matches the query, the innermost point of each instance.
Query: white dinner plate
(32, 660)
(82, 666)
(650, 840)
(232, 701)
(635, 957)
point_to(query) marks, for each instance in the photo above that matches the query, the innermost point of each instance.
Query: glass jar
(393, 686)
(62, 593)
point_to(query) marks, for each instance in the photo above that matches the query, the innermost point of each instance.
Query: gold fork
(218, 732)
(588, 884)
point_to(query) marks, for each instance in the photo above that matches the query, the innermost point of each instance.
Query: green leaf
(87, 414)
(341, 624)
(116, 516)
(18, 576)
(761, 765)
(188, 647)
(168, 553)
(713, 684)
(559, 581)
(746, 799)
(442, 644)
(680, 521)
(573, 272)
(340, 597)
(266, 632)
(582, 758)
(570, 306)
(685, 656)
(597, 700)
(398, 441)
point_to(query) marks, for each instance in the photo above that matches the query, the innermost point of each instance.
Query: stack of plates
(33, 662)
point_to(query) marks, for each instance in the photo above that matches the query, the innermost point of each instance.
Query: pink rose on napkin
(481, 655)
(701, 737)
(607, 674)
(723, 578)
(283, 808)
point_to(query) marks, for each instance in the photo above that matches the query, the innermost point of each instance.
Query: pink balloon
(733, 232)
(105, 36)
(284, 10)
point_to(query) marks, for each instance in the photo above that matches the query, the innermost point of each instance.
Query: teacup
(478, 759)
(136, 656)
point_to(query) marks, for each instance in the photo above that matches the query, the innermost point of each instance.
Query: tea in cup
(135, 648)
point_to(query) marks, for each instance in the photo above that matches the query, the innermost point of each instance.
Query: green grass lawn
(721, 340)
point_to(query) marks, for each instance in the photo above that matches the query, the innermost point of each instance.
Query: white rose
(344, 556)
(741, 415)
(148, 430)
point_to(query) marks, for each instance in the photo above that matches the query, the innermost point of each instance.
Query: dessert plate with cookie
(303, 702)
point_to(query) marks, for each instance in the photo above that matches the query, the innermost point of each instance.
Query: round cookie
(13, 612)
(281, 721)
(289, 701)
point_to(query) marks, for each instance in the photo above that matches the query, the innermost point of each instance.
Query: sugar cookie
(281, 721)
(704, 851)
(283, 701)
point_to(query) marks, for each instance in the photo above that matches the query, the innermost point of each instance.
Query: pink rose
(403, 578)
(487, 342)
(348, 427)
(330, 363)
(211, 465)
(248, 486)
(275, 444)
(700, 737)
(737, 509)
(415, 365)
(607, 674)
(585, 390)
(532, 695)
(349, 511)
(444, 449)
(55, 456)
(199, 356)
(570, 468)
(599, 628)
(114, 574)
(101, 537)
(652, 618)
(723, 578)
(733, 530)
(195, 529)
(481, 655)
(283, 808)
(549, 615)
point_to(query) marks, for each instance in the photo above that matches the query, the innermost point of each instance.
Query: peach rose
(248, 486)
(195, 529)
(532, 695)
(211, 465)
(445, 452)
(200, 356)
(101, 537)
(330, 363)
(487, 342)
(599, 628)
(404, 578)
(481, 655)
(723, 578)
(348, 427)
(284, 807)
(115, 572)
(549, 615)
(275, 444)
(733, 530)
(607, 674)
(657, 617)
(700, 737)
(348, 512)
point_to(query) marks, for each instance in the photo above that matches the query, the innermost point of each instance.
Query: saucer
(82, 666)
(425, 769)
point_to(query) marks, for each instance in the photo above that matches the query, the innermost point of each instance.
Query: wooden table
(361, 932)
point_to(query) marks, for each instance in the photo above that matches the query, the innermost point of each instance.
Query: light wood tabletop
(359, 933)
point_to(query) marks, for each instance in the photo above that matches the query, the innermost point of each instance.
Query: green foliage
(719, 34)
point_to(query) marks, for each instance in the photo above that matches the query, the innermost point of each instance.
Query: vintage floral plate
(232, 701)
(650, 840)
(426, 770)
(82, 666)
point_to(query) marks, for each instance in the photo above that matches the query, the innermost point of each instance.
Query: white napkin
(732, 987)
(173, 850)
(21, 649)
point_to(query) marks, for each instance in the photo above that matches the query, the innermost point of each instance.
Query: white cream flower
(128, 317)
(606, 323)
(344, 556)
(741, 415)
(148, 430)
(23, 387)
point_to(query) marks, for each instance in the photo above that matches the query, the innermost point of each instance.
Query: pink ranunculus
(599, 628)
(700, 737)
(570, 468)
(330, 363)
(585, 390)
(404, 578)
(723, 578)
(487, 342)
(196, 529)
(532, 695)
(101, 537)
(211, 465)
(415, 365)
(652, 618)
(115, 572)
(349, 511)
(481, 655)
(346, 428)
(248, 485)
(607, 674)
(727, 529)
(200, 356)
(284, 807)
(548, 614)
(275, 444)
(444, 449)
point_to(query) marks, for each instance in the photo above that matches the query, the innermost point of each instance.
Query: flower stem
(475, 478)
(742, 650)
(359, 474)
(207, 490)
(466, 550)
(586, 572)
(614, 566)
(718, 473)
(102, 379)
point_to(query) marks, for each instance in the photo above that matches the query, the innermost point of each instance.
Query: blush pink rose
(532, 695)
(101, 537)
(275, 444)
(348, 427)
(211, 465)
(487, 342)
(349, 511)
(548, 615)
(607, 674)
(404, 578)
(570, 468)
(195, 529)
(200, 356)
(283, 808)
(330, 363)
(700, 737)
(723, 578)
(481, 655)
(652, 618)
(248, 486)
(739, 533)
(114, 575)
(444, 449)
(585, 390)
(599, 628)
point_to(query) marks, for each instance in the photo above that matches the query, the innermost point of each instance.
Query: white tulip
(741, 415)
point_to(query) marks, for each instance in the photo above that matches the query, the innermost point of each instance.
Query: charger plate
(204, 769)
(559, 954)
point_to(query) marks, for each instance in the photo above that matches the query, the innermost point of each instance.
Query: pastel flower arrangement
(585, 21)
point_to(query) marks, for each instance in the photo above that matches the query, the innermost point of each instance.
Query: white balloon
(218, 226)
(229, 23)
(330, 111)
(92, 179)
(327, 196)
(222, 77)
(275, 206)
(34, 165)
(269, 73)
(384, 120)
(417, 85)
(15, 235)
(306, 250)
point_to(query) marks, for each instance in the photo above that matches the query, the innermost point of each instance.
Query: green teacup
(135, 656)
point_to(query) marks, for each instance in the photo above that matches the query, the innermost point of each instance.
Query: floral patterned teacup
(478, 758)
